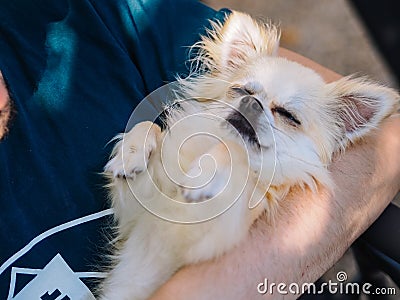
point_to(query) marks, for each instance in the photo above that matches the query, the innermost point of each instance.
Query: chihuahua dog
(246, 128)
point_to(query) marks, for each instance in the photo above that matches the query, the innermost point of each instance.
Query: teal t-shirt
(75, 70)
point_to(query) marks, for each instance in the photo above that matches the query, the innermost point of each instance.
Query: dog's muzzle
(245, 118)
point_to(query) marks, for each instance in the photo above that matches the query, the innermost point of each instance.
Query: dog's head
(280, 106)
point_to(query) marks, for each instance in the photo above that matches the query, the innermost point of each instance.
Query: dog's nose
(251, 104)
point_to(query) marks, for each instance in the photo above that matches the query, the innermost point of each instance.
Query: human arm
(311, 232)
(3, 93)
(5, 107)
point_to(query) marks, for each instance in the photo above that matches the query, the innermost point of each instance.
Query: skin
(4, 107)
(3, 93)
(311, 231)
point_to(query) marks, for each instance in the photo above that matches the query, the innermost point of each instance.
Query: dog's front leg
(211, 174)
(129, 159)
(132, 152)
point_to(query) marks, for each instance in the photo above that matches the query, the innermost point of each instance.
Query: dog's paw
(131, 154)
(204, 182)
(127, 164)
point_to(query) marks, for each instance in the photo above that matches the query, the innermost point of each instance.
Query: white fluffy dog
(255, 126)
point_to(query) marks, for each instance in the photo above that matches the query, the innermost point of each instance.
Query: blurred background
(347, 36)
(355, 36)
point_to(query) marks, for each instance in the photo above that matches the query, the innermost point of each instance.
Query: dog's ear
(361, 105)
(232, 44)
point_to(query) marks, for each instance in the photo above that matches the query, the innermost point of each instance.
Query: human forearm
(5, 107)
(323, 226)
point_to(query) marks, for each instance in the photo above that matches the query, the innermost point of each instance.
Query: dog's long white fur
(241, 52)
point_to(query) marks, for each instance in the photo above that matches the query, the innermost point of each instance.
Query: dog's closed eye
(286, 115)
(236, 91)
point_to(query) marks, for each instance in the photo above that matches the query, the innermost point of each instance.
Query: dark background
(382, 19)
